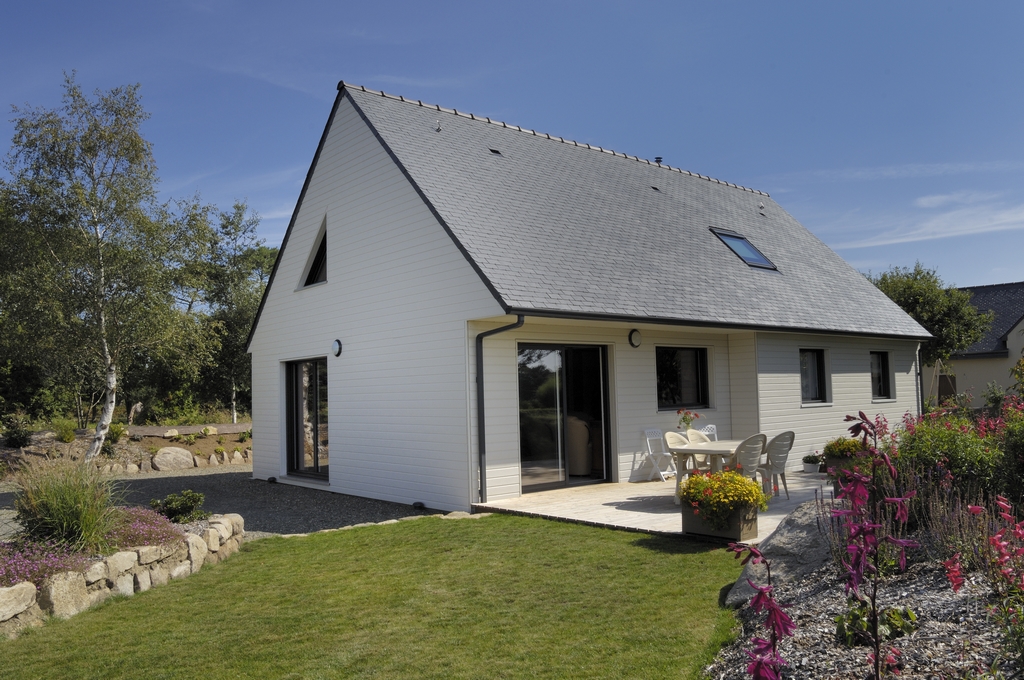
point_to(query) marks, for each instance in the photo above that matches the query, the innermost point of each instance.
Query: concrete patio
(646, 506)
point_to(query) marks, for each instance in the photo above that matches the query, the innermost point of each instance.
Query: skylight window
(495, 151)
(744, 249)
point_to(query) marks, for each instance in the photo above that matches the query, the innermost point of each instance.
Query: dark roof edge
(342, 85)
(426, 201)
(993, 285)
(1009, 329)
(592, 316)
(990, 354)
(291, 222)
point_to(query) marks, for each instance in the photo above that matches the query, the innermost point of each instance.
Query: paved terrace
(646, 506)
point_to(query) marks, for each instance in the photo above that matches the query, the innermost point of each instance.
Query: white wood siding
(743, 384)
(848, 364)
(632, 386)
(397, 295)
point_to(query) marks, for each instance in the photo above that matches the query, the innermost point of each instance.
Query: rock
(158, 575)
(98, 595)
(181, 570)
(795, 549)
(143, 582)
(212, 539)
(388, 521)
(173, 458)
(124, 584)
(120, 562)
(117, 469)
(209, 430)
(229, 548)
(213, 459)
(16, 599)
(236, 458)
(200, 462)
(96, 572)
(32, 617)
(212, 557)
(197, 551)
(223, 526)
(64, 595)
(105, 469)
(146, 465)
(131, 468)
(170, 433)
(152, 553)
(237, 523)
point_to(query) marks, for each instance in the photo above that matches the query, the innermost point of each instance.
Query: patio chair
(748, 455)
(710, 431)
(656, 452)
(778, 453)
(696, 436)
(676, 443)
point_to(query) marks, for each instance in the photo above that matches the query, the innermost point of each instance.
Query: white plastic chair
(676, 444)
(748, 455)
(778, 453)
(701, 461)
(696, 436)
(711, 431)
(656, 452)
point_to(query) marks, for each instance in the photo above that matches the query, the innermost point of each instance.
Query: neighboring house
(991, 358)
(606, 291)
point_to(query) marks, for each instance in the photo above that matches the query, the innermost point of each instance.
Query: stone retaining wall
(175, 458)
(123, 573)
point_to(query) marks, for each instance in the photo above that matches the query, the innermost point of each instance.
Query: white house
(607, 292)
(990, 359)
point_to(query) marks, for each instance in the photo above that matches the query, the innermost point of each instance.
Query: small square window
(743, 248)
(813, 387)
(682, 377)
(881, 388)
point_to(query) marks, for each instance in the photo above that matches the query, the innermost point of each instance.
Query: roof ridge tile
(362, 88)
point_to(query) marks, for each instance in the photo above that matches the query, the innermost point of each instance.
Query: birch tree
(83, 193)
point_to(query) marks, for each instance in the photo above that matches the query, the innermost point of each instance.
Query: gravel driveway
(272, 508)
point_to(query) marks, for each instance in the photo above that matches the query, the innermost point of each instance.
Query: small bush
(1013, 462)
(27, 560)
(189, 439)
(181, 508)
(842, 447)
(219, 450)
(116, 431)
(134, 526)
(245, 436)
(220, 440)
(64, 429)
(812, 459)
(64, 502)
(16, 430)
(947, 445)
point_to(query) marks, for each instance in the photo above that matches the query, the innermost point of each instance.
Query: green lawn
(498, 597)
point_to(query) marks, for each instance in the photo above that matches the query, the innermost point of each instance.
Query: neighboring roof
(559, 228)
(1006, 301)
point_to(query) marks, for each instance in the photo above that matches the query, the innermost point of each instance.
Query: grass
(498, 597)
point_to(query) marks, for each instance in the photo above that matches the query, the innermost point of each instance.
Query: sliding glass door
(561, 415)
(306, 395)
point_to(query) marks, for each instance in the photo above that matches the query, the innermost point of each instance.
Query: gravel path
(271, 508)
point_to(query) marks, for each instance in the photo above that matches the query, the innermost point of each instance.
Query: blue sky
(893, 131)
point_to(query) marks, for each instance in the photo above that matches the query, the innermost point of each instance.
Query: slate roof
(570, 230)
(1006, 300)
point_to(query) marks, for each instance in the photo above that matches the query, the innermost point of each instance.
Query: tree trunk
(109, 400)
(234, 412)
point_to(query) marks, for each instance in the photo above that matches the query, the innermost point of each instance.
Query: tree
(97, 251)
(945, 312)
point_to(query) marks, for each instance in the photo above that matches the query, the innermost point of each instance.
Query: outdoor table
(718, 450)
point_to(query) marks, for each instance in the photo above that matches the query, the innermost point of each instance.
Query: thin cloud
(972, 220)
(961, 197)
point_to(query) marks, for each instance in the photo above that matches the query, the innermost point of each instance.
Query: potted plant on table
(722, 504)
(812, 463)
(686, 418)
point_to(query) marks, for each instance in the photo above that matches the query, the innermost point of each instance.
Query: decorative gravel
(267, 508)
(955, 637)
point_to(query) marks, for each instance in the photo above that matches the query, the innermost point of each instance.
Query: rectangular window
(306, 394)
(743, 248)
(682, 377)
(813, 376)
(880, 386)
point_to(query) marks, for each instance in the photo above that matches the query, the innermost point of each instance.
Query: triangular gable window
(318, 269)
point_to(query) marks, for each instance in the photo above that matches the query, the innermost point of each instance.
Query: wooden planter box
(742, 525)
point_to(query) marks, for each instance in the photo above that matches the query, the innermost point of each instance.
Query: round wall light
(635, 338)
(336, 348)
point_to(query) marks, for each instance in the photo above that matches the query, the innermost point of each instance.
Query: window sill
(816, 404)
(886, 400)
(312, 285)
(675, 410)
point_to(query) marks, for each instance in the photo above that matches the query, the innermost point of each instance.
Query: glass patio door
(561, 415)
(307, 418)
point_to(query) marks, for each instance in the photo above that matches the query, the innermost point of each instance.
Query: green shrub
(948, 447)
(69, 503)
(842, 447)
(189, 439)
(181, 508)
(1012, 467)
(16, 430)
(218, 450)
(116, 431)
(244, 436)
(64, 429)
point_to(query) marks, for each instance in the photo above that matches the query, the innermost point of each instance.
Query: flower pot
(811, 468)
(742, 524)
